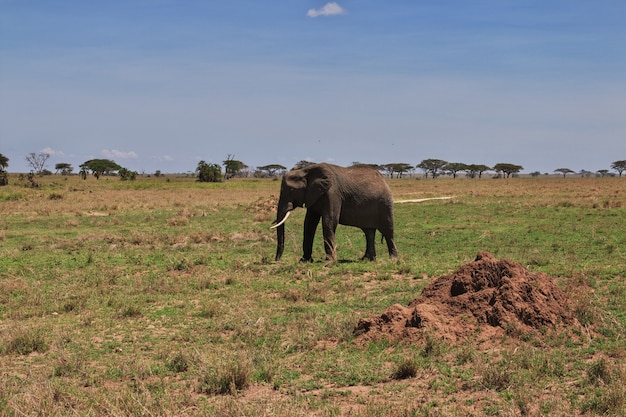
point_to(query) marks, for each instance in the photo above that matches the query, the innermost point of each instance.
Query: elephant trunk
(280, 245)
(284, 210)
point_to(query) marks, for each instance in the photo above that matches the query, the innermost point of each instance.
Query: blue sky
(162, 84)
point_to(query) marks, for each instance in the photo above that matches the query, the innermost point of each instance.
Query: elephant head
(302, 187)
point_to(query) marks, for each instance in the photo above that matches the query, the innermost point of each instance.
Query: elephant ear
(318, 185)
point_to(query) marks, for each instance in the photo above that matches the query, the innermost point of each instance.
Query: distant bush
(127, 174)
(208, 172)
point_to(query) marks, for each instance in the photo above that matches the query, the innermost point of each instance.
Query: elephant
(356, 196)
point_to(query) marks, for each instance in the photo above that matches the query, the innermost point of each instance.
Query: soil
(484, 299)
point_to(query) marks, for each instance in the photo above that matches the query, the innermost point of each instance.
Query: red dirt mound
(488, 296)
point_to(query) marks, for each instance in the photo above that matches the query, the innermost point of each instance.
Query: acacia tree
(398, 168)
(233, 167)
(564, 171)
(373, 166)
(302, 164)
(432, 166)
(474, 170)
(98, 167)
(4, 175)
(619, 166)
(507, 169)
(454, 167)
(272, 170)
(37, 161)
(64, 167)
(387, 169)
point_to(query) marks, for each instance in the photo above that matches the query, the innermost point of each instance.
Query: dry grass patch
(224, 375)
(22, 340)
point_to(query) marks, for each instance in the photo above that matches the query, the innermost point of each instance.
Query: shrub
(599, 372)
(24, 342)
(228, 378)
(208, 172)
(127, 174)
(178, 363)
(406, 369)
(497, 376)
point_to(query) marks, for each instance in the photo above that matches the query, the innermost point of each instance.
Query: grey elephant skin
(356, 196)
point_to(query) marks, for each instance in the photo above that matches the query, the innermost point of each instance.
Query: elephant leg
(370, 244)
(311, 221)
(329, 227)
(387, 233)
(391, 246)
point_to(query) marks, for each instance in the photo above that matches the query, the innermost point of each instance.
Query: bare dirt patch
(485, 298)
(419, 200)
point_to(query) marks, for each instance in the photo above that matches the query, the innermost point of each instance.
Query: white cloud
(329, 9)
(52, 152)
(114, 153)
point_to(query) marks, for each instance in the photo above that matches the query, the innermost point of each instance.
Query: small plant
(465, 354)
(30, 178)
(130, 312)
(228, 378)
(183, 264)
(178, 363)
(208, 311)
(432, 347)
(68, 366)
(608, 402)
(497, 376)
(584, 308)
(599, 372)
(407, 368)
(264, 368)
(404, 269)
(24, 342)
(337, 327)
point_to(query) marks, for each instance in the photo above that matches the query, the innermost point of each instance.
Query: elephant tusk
(282, 221)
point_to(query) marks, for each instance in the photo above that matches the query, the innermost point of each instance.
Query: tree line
(95, 167)
(233, 168)
(431, 168)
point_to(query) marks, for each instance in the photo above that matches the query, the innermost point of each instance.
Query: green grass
(156, 296)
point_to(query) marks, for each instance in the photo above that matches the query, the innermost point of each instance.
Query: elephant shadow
(339, 261)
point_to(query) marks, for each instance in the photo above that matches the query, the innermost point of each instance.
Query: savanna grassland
(160, 297)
